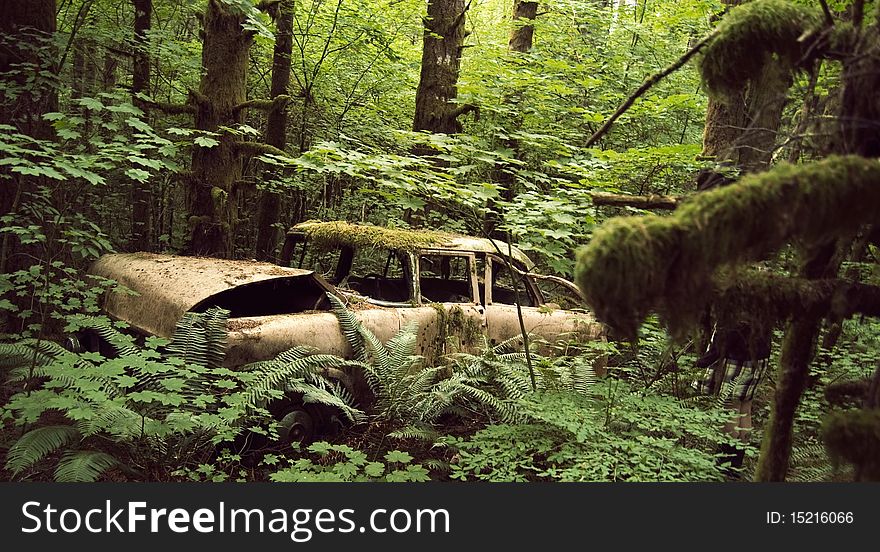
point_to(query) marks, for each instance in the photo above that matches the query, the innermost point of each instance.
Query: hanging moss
(635, 265)
(749, 36)
(338, 233)
(853, 436)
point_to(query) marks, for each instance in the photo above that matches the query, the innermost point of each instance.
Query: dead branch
(605, 199)
(649, 82)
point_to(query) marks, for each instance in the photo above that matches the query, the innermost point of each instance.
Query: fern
(83, 466)
(200, 338)
(122, 344)
(36, 444)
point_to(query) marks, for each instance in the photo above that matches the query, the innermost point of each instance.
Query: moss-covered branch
(775, 298)
(750, 35)
(278, 102)
(635, 265)
(258, 148)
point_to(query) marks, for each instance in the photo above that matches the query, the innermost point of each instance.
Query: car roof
(170, 285)
(333, 234)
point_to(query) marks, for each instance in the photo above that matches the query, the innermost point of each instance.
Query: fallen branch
(605, 199)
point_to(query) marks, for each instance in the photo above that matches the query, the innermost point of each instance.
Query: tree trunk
(210, 201)
(141, 197)
(521, 40)
(441, 60)
(741, 131)
(276, 128)
(29, 25)
(798, 348)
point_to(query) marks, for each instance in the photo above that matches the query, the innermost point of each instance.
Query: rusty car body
(458, 289)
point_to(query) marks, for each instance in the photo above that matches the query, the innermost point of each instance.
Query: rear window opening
(269, 297)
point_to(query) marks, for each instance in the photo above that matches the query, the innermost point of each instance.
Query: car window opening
(503, 290)
(269, 297)
(445, 278)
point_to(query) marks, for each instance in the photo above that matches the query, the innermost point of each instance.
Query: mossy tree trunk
(210, 201)
(442, 45)
(860, 135)
(141, 197)
(741, 131)
(798, 348)
(521, 40)
(276, 127)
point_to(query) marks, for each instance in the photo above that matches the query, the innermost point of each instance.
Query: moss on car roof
(336, 233)
(333, 234)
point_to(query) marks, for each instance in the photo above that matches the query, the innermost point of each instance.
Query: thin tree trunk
(521, 41)
(210, 201)
(141, 213)
(32, 24)
(276, 128)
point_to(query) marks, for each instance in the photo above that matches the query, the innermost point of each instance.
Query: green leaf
(138, 174)
(206, 142)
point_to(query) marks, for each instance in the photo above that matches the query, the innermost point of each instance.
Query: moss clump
(635, 265)
(853, 436)
(333, 234)
(749, 36)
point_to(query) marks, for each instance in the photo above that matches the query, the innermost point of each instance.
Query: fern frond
(350, 326)
(276, 376)
(122, 344)
(420, 433)
(36, 444)
(314, 394)
(82, 466)
(510, 345)
(216, 336)
(113, 418)
(200, 338)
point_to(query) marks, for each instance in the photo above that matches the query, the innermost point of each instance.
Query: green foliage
(498, 378)
(149, 400)
(406, 394)
(341, 463)
(612, 435)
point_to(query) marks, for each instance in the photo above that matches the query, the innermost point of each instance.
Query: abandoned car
(457, 289)
(460, 291)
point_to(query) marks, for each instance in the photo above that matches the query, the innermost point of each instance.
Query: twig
(828, 17)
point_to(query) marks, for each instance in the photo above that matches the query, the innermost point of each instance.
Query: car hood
(167, 286)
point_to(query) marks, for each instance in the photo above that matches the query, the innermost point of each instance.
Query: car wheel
(296, 426)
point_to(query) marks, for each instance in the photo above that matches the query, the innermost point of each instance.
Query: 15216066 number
(805, 518)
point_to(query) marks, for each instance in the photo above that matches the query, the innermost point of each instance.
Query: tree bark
(741, 131)
(443, 41)
(29, 26)
(276, 128)
(210, 201)
(521, 41)
(141, 200)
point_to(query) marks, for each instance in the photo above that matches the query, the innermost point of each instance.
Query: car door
(448, 312)
(544, 322)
